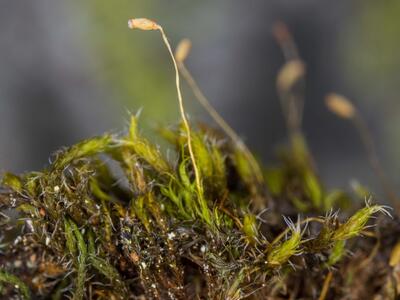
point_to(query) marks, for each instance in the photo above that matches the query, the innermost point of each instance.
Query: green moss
(205, 223)
(15, 283)
(140, 238)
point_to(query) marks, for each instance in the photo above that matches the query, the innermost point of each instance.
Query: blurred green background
(70, 70)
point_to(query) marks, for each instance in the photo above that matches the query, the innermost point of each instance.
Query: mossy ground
(113, 217)
(84, 233)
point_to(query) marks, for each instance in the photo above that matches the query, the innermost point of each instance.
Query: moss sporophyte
(213, 223)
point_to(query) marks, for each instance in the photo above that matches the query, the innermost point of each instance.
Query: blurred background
(72, 69)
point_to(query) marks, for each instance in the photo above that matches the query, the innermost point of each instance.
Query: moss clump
(84, 232)
(112, 218)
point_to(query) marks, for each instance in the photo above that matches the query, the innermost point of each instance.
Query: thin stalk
(182, 111)
(325, 287)
(292, 103)
(285, 41)
(146, 24)
(372, 155)
(342, 107)
(219, 119)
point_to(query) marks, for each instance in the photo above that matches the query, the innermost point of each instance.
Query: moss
(206, 224)
(158, 236)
